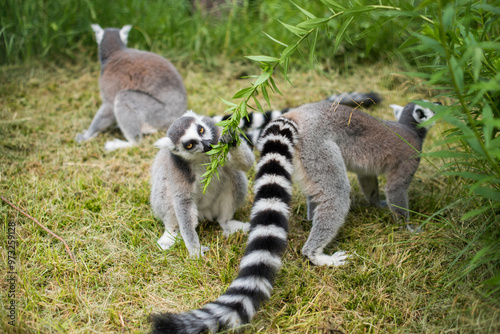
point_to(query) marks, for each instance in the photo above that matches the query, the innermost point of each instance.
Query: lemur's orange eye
(189, 146)
(202, 130)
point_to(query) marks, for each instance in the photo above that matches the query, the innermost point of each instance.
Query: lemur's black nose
(207, 145)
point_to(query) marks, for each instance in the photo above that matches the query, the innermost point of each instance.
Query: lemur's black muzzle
(207, 145)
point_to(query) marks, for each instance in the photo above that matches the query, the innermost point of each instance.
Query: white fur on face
(124, 33)
(418, 110)
(192, 133)
(99, 32)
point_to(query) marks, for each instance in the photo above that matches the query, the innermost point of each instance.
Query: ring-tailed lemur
(257, 121)
(318, 143)
(176, 194)
(141, 91)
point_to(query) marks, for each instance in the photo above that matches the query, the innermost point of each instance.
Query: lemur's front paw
(229, 138)
(234, 226)
(199, 252)
(337, 259)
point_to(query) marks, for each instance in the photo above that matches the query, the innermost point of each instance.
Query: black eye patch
(201, 130)
(420, 113)
(189, 145)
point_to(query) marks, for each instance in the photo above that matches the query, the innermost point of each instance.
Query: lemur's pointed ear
(397, 111)
(165, 142)
(99, 32)
(124, 33)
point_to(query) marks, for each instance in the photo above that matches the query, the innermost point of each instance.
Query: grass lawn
(99, 204)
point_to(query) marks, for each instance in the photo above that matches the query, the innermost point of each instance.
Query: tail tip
(163, 323)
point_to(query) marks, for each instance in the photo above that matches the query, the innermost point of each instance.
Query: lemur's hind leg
(230, 201)
(131, 108)
(396, 190)
(369, 186)
(311, 207)
(102, 120)
(326, 181)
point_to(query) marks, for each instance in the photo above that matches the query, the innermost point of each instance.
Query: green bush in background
(59, 30)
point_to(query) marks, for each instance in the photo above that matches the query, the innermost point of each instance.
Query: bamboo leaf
(257, 103)
(341, 33)
(458, 73)
(487, 124)
(477, 60)
(333, 5)
(266, 96)
(229, 103)
(263, 78)
(245, 92)
(312, 47)
(287, 52)
(296, 30)
(313, 23)
(243, 111)
(273, 85)
(264, 59)
(275, 40)
(309, 15)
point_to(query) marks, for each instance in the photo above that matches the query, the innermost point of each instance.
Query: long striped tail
(266, 243)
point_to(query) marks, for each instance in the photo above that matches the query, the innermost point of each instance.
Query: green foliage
(457, 49)
(464, 47)
(60, 30)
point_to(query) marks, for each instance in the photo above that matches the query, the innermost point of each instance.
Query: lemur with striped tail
(317, 143)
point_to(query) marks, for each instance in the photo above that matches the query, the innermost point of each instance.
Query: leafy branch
(265, 82)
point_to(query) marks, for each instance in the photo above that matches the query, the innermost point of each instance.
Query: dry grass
(98, 202)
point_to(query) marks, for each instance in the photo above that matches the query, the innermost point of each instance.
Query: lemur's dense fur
(176, 194)
(141, 91)
(255, 122)
(318, 143)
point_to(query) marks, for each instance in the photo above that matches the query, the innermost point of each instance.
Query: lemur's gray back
(365, 141)
(123, 68)
(141, 91)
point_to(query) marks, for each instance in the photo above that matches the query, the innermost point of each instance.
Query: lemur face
(421, 114)
(190, 136)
